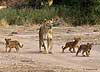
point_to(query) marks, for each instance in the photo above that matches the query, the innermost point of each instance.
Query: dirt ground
(28, 59)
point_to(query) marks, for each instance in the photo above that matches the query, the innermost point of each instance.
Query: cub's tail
(20, 45)
(62, 49)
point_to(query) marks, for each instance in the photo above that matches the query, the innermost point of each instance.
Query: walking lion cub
(12, 44)
(71, 45)
(85, 48)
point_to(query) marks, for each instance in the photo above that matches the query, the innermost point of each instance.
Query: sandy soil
(28, 59)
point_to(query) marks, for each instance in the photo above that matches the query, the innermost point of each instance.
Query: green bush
(71, 14)
(27, 15)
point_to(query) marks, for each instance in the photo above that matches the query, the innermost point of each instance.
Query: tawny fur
(12, 44)
(85, 48)
(45, 38)
(71, 45)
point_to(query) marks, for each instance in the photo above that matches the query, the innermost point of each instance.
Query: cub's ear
(77, 38)
(88, 43)
(62, 46)
(5, 39)
(8, 39)
(92, 43)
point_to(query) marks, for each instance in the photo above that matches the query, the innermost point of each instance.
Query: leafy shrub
(27, 15)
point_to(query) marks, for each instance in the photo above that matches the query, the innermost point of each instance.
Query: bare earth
(28, 59)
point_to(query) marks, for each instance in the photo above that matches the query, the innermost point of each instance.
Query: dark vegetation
(73, 12)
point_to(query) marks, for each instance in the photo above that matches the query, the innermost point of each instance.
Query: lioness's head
(49, 24)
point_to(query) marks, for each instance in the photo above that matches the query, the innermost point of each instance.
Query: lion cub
(71, 45)
(12, 44)
(85, 48)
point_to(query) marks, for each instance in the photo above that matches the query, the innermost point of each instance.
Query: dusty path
(29, 60)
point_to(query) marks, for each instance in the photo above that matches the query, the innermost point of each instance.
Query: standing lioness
(45, 37)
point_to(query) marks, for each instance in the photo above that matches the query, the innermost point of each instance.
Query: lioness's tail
(20, 45)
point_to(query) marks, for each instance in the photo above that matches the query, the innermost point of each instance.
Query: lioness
(71, 45)
(12, 44)
(45, 37)
(85, 48)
